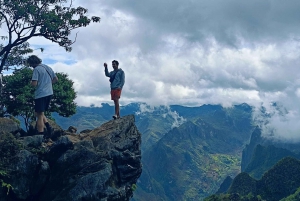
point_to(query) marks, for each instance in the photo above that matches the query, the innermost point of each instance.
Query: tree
(18, 96)
(24, 19)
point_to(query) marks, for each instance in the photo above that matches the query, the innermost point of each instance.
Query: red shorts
(115, 94)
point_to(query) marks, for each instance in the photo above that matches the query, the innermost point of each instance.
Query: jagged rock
(34, 141)
(100, 165)
(85, 131)
(257, 138)
(225, 185)
(9, 126)
(27, 174)
(249, 149)
(56, 133)
(58, 148)
(72, 129)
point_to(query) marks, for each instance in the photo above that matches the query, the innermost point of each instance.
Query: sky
(190, 53)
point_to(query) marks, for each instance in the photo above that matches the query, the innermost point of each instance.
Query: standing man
(117, 80)
(42, 78)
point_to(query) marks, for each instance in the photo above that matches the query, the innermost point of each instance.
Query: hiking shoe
(115, 117)
(49, 131)
(45, 139)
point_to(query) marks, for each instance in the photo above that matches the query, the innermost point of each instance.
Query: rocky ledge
(102, 164)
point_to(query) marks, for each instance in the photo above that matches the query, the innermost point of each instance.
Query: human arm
(53, 76)
(33, 83)
(54, 80)
(107, 74)
(122, 82)
(35, 78)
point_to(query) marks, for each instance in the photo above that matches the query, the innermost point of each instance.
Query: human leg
(48, 126)
(42, 105)
(115, 96)
(117, 108)
(40, 122)
(46, 123)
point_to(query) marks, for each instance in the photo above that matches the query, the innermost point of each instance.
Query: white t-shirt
(44, 75)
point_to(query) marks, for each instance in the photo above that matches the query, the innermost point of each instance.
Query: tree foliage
(63, 97)
(18, 96)
(24, 19)
(279, 182)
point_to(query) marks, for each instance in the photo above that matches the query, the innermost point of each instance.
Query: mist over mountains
(187, 152)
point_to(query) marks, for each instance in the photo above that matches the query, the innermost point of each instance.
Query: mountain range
(194, 153)
(270, 171)
(187, 152)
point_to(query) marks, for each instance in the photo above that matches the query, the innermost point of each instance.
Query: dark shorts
(42, 104)
(115, 94)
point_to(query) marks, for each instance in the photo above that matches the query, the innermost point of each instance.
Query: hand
(105, 65)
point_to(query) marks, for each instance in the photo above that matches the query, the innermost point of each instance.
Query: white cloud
(278, 122)
(144, 108)
(178, 120)
(189, 53)
(162, 110)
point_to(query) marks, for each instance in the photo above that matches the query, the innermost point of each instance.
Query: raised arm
(106, 70)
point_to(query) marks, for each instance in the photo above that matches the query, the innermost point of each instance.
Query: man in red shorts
(117, 80)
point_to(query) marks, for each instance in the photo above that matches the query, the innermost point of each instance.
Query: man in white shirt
(42, 78)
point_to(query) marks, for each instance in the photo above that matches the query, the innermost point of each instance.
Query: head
(34, 61)
(115, 64)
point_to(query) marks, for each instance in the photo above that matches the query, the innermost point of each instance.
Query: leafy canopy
(24, 19)
(18, 96)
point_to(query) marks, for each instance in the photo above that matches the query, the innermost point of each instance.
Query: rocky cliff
(102, 164)
(274, 151)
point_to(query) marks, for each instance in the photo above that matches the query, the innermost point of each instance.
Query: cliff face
(103, 164)
(264, 152)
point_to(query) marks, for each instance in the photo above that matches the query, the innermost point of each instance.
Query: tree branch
(6, 20)
(75, 39)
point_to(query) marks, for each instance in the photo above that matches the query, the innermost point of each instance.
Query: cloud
(163, 110)
(178, 120)
(278, 123)
(189, 53)
(144, 108)
(231, 22)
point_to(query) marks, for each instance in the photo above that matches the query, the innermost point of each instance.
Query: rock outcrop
(8, 125)
(103, 164)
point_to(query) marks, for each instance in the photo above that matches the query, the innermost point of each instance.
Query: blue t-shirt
(44, 75)
(119, 80)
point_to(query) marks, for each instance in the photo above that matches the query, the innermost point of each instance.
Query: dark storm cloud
(230, 22)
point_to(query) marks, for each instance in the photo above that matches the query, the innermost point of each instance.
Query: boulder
(57, 131)
(72, 129)
(8, 125)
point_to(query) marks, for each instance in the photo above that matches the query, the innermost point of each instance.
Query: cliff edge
(102, 164)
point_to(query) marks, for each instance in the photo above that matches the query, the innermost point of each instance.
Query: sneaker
(115, 117)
